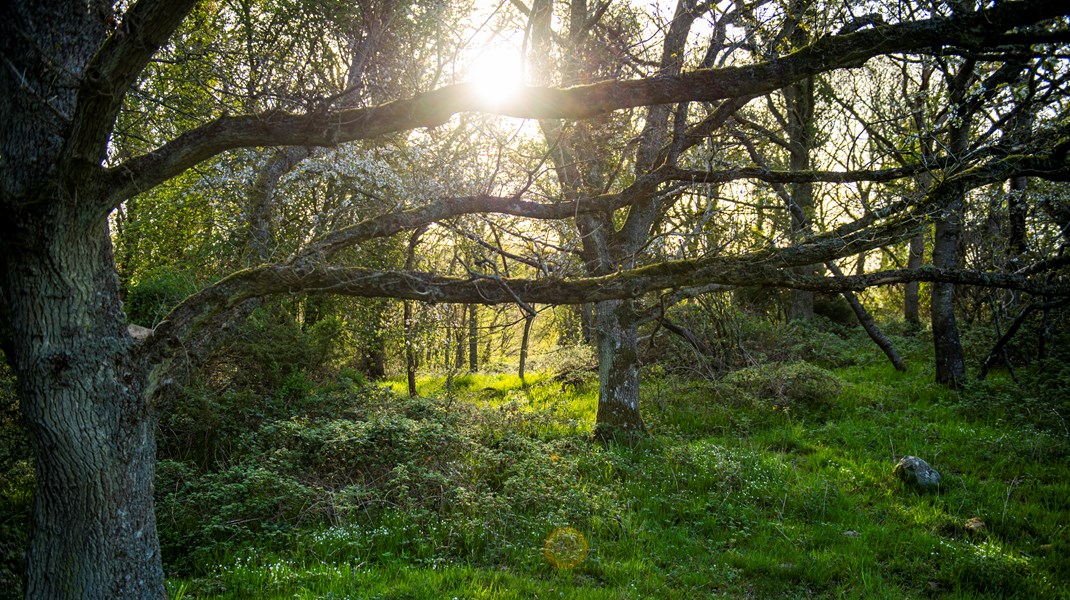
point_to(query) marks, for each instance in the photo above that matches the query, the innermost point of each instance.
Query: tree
(86, 387)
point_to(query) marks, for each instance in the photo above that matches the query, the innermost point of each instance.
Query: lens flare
(565, 548)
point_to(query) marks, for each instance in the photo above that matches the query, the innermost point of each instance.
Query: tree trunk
(410, 348)
(409, 324)
(799, 100)
(950, 365)
(93, 533)
(912, 293)
(587, 322)
(528, 319)
(473, 338)
(458, 339)
(618, 371)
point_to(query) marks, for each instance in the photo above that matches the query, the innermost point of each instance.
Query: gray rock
(917, 473)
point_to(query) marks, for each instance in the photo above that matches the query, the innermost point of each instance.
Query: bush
(198, 513)
(16, 483)
(567, 359)
(150, 298)
(798, 385)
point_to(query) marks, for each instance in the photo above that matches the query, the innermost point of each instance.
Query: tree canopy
(647, 153)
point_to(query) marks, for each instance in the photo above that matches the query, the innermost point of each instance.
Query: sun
(496, 75)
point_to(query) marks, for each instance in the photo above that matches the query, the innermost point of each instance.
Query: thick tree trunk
(93, 532)
(618, 371)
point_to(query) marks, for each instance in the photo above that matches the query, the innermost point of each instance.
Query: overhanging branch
(111, 73)
(434, 108)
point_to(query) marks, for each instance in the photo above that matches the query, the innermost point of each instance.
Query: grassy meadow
(770, 481)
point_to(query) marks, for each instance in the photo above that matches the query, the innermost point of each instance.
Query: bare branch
(434, 108)
(113, 71)
(770, 176)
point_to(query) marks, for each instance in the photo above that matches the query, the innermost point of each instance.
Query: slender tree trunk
(409, 325)
(524, 340)
(911, 295)
(618, 371)
(587, 322)
(950, 365)
(410, 348)
(93, 533)
(473, 338)
(458, 338)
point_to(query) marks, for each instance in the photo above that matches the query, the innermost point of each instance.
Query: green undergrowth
(774, 481)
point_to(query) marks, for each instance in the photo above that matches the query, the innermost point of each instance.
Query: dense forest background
(518, 299)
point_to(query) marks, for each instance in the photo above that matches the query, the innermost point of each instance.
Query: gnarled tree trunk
(93, 533)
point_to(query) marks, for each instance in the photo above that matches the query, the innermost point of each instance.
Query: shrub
(16, 483)
(797, 385)
(198, 513)
(150, 298)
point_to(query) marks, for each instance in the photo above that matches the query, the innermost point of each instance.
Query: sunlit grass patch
(731, 495)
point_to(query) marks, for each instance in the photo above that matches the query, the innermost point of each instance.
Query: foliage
(788, 386)
(272, 346)
(735, 339)
(150, 298)
(355, 492)
(16, 482)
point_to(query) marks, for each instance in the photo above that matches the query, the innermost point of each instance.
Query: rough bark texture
(93, 531)
(618, 372)
(950, 363)
(800, 104)
(66, 70)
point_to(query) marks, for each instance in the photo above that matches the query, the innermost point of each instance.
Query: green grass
(734, 494)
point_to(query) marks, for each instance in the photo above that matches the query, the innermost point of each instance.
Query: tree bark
(950, 365)
(799, 98)
(866, 321)
(911, 294)
(618, 371)
(93, 533)
(529, 318)
(473, 338)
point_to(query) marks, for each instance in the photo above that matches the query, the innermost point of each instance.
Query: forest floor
(774, 481)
